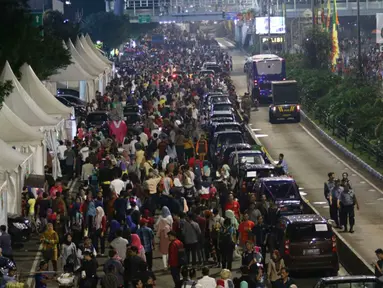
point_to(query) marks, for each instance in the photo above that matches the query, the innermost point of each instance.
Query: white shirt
(132, 147)
(84, 151)
(207, 282)
(117, 185)
(144, 139)
(62, 149)
(120, 245)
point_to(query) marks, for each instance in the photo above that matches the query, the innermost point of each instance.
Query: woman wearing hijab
(50, 240)
(70, 261)
(136, 242)
(234, 222)
(163, 226)
(99, 228)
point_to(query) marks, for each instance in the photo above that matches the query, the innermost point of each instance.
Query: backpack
(189, 193)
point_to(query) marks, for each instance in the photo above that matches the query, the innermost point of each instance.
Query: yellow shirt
(188, 144)
(31, 203)
(139, 156)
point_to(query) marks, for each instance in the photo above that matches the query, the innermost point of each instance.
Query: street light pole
(269, 23)
(359, 41)
(313, 12)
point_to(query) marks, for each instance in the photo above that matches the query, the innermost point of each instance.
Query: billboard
(277, 25)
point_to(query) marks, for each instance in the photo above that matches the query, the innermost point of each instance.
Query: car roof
(246, 152)
(279, 178)
(216, 134)
(237, 145)
(224, 112)
(249, 166)
(304, 218)
(348, 278)
(226, 123)
(217, 119)
(222, 103)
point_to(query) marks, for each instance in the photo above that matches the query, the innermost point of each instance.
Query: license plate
(311, 252)
(286, 115)
(286, 110)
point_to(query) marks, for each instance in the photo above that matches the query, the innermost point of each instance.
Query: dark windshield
(227, 139)
(97, 118)
(215, 68)
(303, 231)
(222, 107)
(281, 190)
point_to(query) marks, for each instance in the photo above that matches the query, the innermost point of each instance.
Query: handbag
(47, 254)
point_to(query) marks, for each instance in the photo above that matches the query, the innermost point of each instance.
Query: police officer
(346, 203)
(329, 185)
(334, 196)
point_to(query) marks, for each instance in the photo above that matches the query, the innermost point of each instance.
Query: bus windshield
(269, 67)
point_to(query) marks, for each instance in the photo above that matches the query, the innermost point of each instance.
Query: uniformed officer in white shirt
(346, 203)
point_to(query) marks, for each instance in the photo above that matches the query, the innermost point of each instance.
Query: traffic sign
(37, 19)
(144, 19)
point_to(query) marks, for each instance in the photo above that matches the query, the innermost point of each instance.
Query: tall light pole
(359, 41)
(313, 12)
(269, 23)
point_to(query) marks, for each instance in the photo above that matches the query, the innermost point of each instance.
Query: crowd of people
(128, 175)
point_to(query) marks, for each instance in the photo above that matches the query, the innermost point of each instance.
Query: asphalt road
(309, 161)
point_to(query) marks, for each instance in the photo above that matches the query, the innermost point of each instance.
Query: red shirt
(174, 246)
(233, 206)
(244, 229)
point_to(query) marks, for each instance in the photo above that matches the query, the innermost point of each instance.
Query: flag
(335, 44)
(328, 15)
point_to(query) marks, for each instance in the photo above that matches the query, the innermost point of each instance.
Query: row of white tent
(32, 120)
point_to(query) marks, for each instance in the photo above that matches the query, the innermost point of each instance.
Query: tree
(317, 48)
(21, 42)
(111, 29)
(58, 26)
(5, 90)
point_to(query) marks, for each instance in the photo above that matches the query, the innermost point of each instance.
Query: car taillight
(274, 109)
(255, 81)
(287, 247)
(333, 238)
(298, 108)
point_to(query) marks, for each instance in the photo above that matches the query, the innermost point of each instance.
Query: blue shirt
(146, 235)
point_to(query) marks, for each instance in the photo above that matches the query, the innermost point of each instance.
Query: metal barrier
(341, 131)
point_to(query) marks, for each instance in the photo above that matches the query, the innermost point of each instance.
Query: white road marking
(346, 168)
(341, 161)
(370, 203)
(319, 203)
(362, 182)
(353, 174)
(301, 188)
(380, 199)
(256, 129)
(325, 207)
(261, 135)
(303, 193)
(36, 262)
(371, 190)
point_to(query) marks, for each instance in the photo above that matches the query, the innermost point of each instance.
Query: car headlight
(20, 226)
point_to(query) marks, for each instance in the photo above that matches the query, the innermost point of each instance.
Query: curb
(343, 149)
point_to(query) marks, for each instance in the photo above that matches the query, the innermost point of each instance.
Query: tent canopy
(14, 130)
(91, 45)
(73, 72)
(10, 159)
(83, 62)
(91, 54)
(33, 86)
(22, 104)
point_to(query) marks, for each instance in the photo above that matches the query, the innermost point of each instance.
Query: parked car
(99, 120)
(80, 111)
(67, 91)
(307, 242)
(349, 281)
(19, 228)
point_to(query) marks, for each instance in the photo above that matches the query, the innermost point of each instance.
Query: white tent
(100, 62)
(33, 86)
(94, 49)
(24, 107)
(94, 61)
(73, 74)
(14, 167)
(26, 139)
(3, 202)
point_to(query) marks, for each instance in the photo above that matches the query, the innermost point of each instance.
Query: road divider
(348, 257)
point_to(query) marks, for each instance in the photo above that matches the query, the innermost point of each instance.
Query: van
(307, 242)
